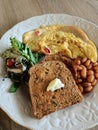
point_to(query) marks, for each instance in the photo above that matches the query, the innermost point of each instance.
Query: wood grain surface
(14, 11)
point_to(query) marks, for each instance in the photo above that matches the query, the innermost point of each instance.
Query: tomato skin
(37, 33)
(10, 62)
(46, 50)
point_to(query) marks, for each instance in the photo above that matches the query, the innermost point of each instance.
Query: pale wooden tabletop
(14, 11)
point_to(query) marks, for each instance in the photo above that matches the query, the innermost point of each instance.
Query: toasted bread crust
(45, 102)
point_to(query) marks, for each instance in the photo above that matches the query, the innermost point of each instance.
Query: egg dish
(70, 40)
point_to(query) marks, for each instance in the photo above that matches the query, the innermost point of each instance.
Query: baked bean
(96, 68)
(78, 75)
(78, 61)
(90, 72)
(80, 88)
(83, 72)
(90, 78)
(96, 71)
(87, 63)
(82, 66)
(88, 89)
(86, 84)
(79, 68)
(95, 64)
(75, 67)
(79, 80)
(89, 66)
(96, 75)
(84, 59)
(94, 82)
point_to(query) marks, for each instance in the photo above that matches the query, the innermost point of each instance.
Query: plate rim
(78, 17)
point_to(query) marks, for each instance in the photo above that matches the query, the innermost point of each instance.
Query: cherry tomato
(10, 62)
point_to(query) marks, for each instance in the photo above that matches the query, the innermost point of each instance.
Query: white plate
(17, 105)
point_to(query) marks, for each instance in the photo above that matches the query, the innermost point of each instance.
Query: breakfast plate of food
(49, 73)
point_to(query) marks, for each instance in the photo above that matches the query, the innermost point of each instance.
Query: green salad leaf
(32, 57)
(14, 87)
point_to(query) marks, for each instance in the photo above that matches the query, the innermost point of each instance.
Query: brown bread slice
(45, 102)
(61, 57)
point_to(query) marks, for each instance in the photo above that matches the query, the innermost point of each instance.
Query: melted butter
(55, 84)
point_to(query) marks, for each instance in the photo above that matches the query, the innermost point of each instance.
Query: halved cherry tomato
(10, 62)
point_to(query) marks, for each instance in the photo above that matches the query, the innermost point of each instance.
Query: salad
(18, 59)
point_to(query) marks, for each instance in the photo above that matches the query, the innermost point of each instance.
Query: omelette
(70, 40)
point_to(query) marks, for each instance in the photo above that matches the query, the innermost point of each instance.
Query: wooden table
(14, 11)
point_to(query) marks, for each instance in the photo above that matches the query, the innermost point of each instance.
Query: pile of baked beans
(86, 74)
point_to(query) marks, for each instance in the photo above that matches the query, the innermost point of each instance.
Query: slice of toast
(45, 102)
